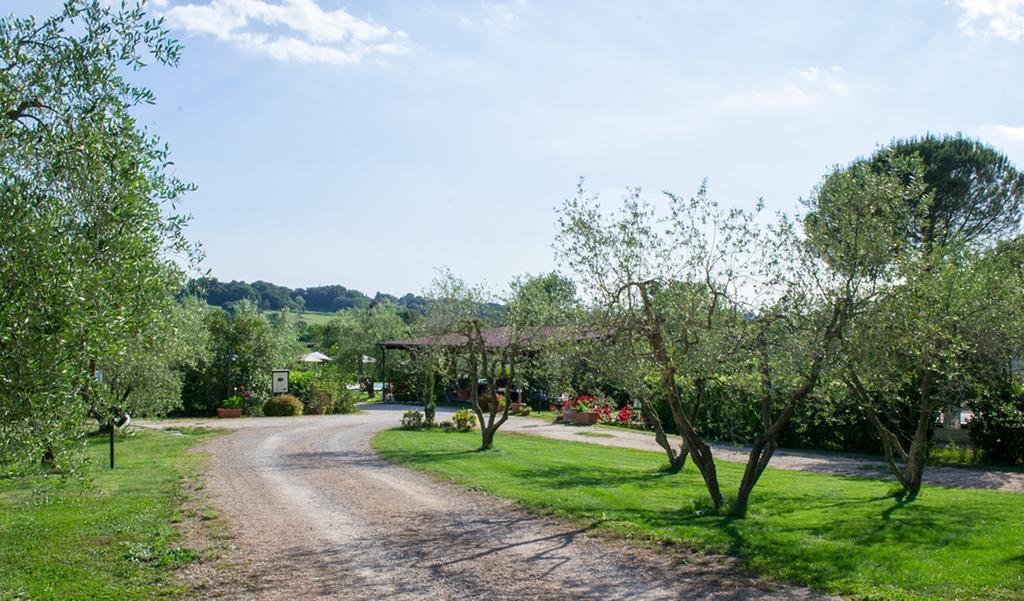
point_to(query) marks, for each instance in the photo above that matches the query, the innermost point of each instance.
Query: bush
(317, 401)
(322, 394)
(345, 402)
(997, 425)
(300, 383)
(464, 420)
(283, 405)
(233, 402)
(254, 402)
(412, 420)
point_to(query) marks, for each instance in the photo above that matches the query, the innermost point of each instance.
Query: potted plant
(580, 410)
(231, 407)
(583, 414)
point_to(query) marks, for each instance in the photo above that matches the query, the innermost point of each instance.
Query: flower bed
(588, 410)
(583, 418)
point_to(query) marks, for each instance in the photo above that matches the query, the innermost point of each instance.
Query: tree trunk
(429, 406)
(914, 470)
(487, 439)
(49, 457)
(699, 450)
(911, 473)
(763, 448)
(474, 397)
(760, 454)
(676, 459)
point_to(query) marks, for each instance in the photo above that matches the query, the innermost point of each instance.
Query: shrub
(345, 402)
(283, 405)
(464, 420)
(447, 426)
(253, 402)
(524, 410)
(300, 383)
(317, 401)
(997, 424)
(233, 402)
(412, 420)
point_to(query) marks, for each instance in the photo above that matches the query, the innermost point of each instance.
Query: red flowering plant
(604, 407)
(628, 417)
(583, 403)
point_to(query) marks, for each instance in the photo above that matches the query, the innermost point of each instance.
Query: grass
(836, 534)
(548, 416)
(312, 317)
(108, 536)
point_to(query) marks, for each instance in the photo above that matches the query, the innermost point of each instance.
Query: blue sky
(369, 143)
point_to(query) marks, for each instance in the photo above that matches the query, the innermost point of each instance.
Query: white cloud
(999, 18)
(291, 30)
(807, 88)
(500, 14)
(1013, 134)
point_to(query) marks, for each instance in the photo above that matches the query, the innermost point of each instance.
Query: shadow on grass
(830, 532)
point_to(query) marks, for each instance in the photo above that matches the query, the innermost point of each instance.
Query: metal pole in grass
(118, 422)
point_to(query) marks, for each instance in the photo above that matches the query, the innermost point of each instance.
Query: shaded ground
(808, 461)
(315, 514)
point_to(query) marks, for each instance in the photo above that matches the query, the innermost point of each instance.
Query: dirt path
(806, 461)
(316, 515)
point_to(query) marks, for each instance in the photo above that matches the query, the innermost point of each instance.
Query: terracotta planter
(225, 413)
(583, 418)
(517, 407)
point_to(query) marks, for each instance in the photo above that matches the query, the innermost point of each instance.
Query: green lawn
(107, 537)
(839, 535)
(312, 317)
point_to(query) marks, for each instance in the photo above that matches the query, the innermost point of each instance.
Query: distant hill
(271, 297)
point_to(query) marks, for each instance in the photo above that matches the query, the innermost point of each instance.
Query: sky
(370, 143)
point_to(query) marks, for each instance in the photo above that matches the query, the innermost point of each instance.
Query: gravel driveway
(314, 514)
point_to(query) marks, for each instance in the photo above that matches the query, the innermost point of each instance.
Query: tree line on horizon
(268, 296)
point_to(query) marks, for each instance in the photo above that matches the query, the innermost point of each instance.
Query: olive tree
(951, 303)
(457, 325)
(91, 243)
(145, 377)
(950, 323)
(625, 260)
(696, 292)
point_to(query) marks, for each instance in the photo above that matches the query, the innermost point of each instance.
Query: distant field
(312, 317)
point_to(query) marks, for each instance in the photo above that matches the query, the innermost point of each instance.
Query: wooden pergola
(493, 339)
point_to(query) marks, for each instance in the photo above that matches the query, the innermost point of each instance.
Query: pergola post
(384, 373)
